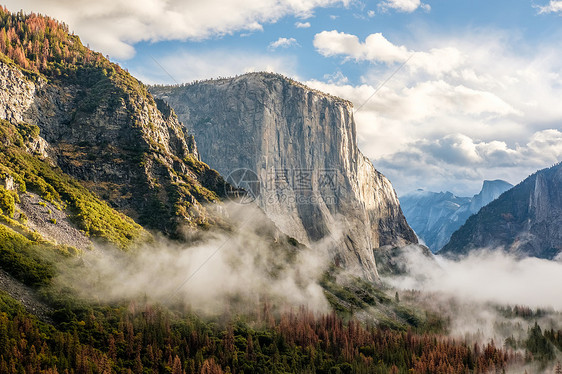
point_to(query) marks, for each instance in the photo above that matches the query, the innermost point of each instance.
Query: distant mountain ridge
(435, 216)
(524, 221)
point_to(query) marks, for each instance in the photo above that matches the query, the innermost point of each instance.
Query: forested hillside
(90, 161)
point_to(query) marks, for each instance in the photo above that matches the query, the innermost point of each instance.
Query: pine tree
(176, 368)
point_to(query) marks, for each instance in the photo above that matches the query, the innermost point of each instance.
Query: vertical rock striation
(315, 183)
(524, 221)
(435, 216)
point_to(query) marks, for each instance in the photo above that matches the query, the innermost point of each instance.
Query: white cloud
(459, 160)
(377, 49)
(188, 66)
(302, 25)
(486, 277)
(283, 43)
(407, 6)
(114, 26)
(463, 109)
(208, 275)
(553, 7)
(371, 13)
(543, 148)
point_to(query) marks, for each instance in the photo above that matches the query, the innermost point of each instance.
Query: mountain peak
(487, 184)
(525, 220)
(102, 125)
(434, 216)
(260, 77)
(295, 139)
(491, 190)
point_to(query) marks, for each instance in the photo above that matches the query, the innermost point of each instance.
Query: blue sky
(478, 99)
(520, 19)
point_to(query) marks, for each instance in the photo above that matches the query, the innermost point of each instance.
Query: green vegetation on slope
(90, 214)
(353, 295)
(22, 258)
(163, 192)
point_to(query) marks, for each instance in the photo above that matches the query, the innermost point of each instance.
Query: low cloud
(486, 277)
(236, 270)
(486, 296)
(113, 27)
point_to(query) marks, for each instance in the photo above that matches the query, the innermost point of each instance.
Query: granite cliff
(524, 221)
(435, 216)
(301, 144)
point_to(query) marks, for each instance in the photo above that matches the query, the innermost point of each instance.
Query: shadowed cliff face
(314, 182)
(106, 130)
(524, 221)
(436, 216)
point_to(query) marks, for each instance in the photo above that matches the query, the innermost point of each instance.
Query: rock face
(491, 190)
(40, 214)
(435, 216)
(106, 130)
(314, 182)
(525, 220)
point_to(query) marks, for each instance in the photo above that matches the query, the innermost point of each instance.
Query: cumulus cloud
(543, 148)
(282, 43)
(114, 26)
(461, 161)
(463, 109)
(377, 49)
(407, 6)
(448, 157)
(302, 25)
(554, 6)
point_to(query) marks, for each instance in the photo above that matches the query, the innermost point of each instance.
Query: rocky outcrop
(435, 216)
(524, 221)
(51, 223)
(301, 144)
(106, 130)
(491, 190)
